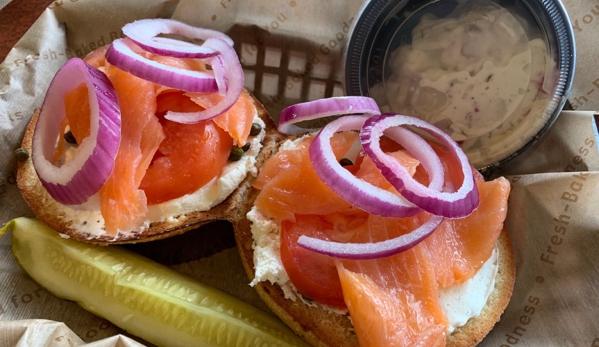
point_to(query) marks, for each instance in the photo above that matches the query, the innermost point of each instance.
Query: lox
(152, 123)
(371, 238)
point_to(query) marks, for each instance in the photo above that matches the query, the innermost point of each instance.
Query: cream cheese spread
(90, 221)
(464, 301)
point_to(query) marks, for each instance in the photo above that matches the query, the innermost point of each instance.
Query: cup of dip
(493, 74)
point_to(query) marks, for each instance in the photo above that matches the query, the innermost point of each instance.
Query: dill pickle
(145, 298)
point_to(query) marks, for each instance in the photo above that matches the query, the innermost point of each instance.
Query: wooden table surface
(15, 19)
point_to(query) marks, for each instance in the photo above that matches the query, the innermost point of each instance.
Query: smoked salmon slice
(158, 160)
(61, 142)
(459, 247)
(122, 203)
(97, 58)
(185, 64)
(293, 186)
(237, 121)
(77, 112)
(371, 174)
(393, 301)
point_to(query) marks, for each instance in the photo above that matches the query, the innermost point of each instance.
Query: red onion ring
(336, 106)
(451, 205)
(81, 177)
(422, 151)
(234, 80)
(357, 192)
(143, 33)
(438, 198)
(121, 54)
(218, 66)
(361, 251)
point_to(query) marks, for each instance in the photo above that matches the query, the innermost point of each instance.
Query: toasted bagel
(52, 213)
(324, 328)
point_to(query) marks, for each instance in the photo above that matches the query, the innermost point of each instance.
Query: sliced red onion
(143, 33)
(234, 80)
(218, 67)
(122, 55)
(373, 250)
(82, 176)
(336, 106)
(451, 205)
(357, 192)
(421, 150)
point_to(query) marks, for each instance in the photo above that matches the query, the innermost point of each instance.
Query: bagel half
(52, 212)
(323, 328)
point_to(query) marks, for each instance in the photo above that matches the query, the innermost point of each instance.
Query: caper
(21, 154)
(256, 129)
(345, 162)
(236, 153)
(70, 138)
(246, 146)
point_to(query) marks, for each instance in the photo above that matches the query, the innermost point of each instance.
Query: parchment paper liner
(291, 52)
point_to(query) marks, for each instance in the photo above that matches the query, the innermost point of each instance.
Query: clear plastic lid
(493, 74)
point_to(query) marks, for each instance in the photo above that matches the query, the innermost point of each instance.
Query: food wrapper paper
(291, 51)
(584, 16)
(38, 332)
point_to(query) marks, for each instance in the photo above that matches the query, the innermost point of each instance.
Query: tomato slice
(189, 157)
(314, 275)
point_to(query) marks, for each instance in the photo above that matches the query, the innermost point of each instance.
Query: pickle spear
(145, 298)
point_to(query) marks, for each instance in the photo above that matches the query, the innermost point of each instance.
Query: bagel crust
(50, 212)
(323, 328)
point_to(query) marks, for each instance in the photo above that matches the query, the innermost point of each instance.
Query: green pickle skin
(147, 299)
